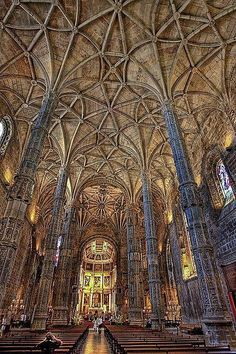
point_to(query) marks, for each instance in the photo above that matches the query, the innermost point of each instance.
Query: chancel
(118, 174)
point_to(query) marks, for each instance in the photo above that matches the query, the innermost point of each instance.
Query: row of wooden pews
(137, 340)
(26, 341)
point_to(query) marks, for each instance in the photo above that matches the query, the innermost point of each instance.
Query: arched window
(225, 183)
(1, 130)
(5, 133)
(59, 242)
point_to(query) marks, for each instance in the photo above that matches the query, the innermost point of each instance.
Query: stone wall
(225, 247)
(226, 243)
(3, 201)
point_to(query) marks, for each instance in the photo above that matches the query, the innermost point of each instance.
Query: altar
(97, 292)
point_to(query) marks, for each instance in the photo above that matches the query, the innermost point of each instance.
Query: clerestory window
(5, 133)
(225, 183)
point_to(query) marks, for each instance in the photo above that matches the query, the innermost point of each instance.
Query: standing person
(99, 324)
(49, 344)
(22, 320)
(8, 323)
(149, 323)
(95, 327)
(50, 314)
(3, 326)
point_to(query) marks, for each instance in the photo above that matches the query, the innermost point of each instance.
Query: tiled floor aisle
(96, 344)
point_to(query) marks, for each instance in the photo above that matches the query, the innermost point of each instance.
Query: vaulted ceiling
(112, 64)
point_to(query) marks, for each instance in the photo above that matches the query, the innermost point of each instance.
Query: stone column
(176, 257)
(31, 274)
(152, 255)
(134, 269)
(191, 311)
(63, 273)
(75, 278)
(122, 274)
(46, 279)
(21, 193)
(213, 315)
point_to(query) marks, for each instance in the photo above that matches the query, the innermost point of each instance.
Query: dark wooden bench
(138, 340)
(26, 342)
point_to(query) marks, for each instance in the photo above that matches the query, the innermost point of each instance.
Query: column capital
(70, 209)
(132, 207)
(145, 175)
(167, 104)
(63, 169)
(50, 95)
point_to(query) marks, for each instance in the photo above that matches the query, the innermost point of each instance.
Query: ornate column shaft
(134, 269)
(74, 285)
(46, 279)
(30, 278)
(63, 273)
(189, 309)
(152, 255)
(202, 250)
(21, 193)
(122, 274)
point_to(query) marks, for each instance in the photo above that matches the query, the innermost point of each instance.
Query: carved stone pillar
(21, 193)
(190, 311)
(152, 255)
(122, 274)
(46, 279)
(176, 257)
(30, 278)
(63, 273)
(74, 285)
(214, 324)
(134, 269)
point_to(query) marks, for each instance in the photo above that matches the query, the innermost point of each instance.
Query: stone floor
(96, 344)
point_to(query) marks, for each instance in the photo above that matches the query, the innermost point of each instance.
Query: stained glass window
(5, 133)
(58, 250)
(225, 183)
(1, 130)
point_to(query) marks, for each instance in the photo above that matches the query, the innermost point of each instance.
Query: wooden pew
(26, 342)
(137, 340)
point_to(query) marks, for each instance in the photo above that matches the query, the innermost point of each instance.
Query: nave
(118, 165)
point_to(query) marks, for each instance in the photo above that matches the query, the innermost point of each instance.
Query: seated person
(49, 344)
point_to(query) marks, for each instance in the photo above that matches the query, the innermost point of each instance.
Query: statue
(96, 299)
